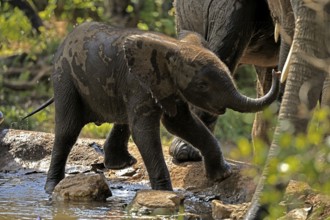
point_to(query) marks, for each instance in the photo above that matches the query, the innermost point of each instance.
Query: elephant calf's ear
(192, 38)
(150, 59)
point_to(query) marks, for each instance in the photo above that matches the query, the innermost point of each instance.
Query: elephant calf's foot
(50, 185)
(119, 162)
(183, 152)
(221, 174)
(164, 184)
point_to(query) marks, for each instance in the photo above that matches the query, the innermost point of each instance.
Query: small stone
(82, 187)
(228, 211)
(155, 202)
(127, 172)
(297, 187)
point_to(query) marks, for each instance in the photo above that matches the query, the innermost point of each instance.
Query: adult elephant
(308, 72)
(238, 31)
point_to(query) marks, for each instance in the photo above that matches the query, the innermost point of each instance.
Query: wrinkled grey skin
(308, 79)
(134, 79)
(238, 32)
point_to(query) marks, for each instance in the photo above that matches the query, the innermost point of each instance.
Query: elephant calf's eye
(202, 86)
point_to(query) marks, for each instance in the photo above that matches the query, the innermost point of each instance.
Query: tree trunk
(261, 125)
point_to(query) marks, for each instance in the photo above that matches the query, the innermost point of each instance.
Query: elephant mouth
(218, 111)
(214, 110)
(221, 111)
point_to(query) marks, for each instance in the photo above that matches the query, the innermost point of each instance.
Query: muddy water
(22, 197)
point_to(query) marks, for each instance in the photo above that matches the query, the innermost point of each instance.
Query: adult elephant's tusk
(276, 31)
(285, 71)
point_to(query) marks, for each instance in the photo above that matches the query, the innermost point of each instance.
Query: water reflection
(23, 197)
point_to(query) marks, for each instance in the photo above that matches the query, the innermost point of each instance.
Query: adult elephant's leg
(261, 126)
(189, 127)
(325, 100)
(116, 155)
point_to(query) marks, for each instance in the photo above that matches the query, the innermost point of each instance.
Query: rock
(230, 211)
(32, 150)
(237, 188)
(155, 202)
(302, 202)
(82, 187)
(297, 214)
(297, 187)
(295, 195)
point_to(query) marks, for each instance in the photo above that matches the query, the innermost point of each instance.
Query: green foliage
(13, 28)
(304, 158)
(93, 131)
(307, 157)
(157, 16)
(17, 35)
(79, 11)
(233, 125)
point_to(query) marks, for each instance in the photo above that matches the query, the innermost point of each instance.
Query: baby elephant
(134, 79)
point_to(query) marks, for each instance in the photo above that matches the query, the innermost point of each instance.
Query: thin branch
(21, 86)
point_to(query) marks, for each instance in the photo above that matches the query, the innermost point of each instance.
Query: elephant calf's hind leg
(182, 151)
(65, 137)
(116, 155)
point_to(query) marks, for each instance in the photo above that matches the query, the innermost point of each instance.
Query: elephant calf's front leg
(145, 125)
(188, 127)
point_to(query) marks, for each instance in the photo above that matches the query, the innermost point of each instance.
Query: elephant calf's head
(166, 66)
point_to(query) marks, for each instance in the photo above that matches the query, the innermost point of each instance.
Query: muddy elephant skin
(134, 79)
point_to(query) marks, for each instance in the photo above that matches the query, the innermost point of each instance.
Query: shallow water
(22, 196)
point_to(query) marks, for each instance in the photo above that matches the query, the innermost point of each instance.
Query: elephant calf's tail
(44, 105)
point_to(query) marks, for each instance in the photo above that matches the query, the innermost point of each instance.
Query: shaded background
(30, 32)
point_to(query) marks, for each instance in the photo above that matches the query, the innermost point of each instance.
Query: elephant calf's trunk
(242, 103)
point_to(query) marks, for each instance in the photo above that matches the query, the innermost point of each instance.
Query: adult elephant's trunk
(241, 103)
